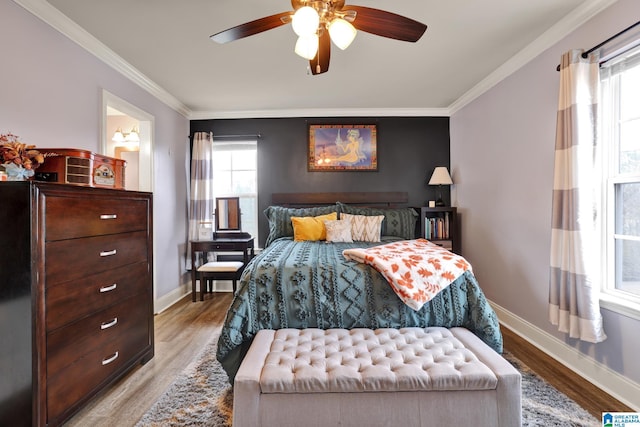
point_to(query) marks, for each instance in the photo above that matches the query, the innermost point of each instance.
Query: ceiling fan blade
(386, 24)
(320, 64)
(250, 28)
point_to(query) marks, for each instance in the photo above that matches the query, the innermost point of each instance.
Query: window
(620, 114)
(235, 174)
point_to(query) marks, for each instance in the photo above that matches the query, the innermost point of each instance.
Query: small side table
(242, 243)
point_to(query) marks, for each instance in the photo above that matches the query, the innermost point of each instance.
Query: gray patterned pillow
(280, 219)
(399, 222)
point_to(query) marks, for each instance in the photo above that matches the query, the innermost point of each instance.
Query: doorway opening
(133, 144)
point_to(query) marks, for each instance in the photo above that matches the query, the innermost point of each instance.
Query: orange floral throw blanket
(416, 269)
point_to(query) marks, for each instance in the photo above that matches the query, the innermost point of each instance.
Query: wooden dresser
(76, 296)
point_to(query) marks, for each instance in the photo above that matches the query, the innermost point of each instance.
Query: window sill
(621, 305)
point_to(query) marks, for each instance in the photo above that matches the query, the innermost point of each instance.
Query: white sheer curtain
(200, 192)
(575, 242)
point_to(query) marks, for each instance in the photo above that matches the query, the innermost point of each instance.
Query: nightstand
(440, 226)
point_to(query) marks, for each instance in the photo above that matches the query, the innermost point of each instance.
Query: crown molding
(56, 19)
(322, 112)
(553, 35)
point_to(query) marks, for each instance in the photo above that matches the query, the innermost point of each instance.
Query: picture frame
(343, 147)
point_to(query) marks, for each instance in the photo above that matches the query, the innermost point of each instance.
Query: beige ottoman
(384, 377)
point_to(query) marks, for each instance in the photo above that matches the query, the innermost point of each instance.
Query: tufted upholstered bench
(384, 377)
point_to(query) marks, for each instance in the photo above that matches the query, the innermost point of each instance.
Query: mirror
(228, 214)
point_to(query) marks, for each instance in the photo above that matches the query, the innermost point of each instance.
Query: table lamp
(440, 177)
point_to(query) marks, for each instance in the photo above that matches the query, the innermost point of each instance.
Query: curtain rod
(615, 36)
(257, 136)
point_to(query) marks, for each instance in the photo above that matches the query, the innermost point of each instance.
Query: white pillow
(364, 228)
(338, 231)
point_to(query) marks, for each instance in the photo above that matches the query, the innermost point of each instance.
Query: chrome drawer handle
(108, 288)
(108, 253)
(108, 216)
(109, 360)
(107, 325)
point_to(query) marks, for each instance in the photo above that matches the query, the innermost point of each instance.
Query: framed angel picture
(342, 148)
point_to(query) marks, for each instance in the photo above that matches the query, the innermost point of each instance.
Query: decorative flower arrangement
(19, 159)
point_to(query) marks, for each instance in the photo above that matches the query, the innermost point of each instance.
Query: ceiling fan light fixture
(307, 46)
(342, 33)
(305, 21)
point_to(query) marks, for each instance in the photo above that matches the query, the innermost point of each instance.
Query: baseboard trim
(623, 389)
(166, 301)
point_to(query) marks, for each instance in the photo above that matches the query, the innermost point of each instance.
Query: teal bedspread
(311, 285)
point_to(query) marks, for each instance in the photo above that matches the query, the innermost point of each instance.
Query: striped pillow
(364, 228)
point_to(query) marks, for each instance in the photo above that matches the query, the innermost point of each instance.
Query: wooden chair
(218, 270)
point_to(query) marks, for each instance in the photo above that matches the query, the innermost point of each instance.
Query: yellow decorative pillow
(311, 227)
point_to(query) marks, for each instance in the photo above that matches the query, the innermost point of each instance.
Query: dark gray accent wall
(409, 148)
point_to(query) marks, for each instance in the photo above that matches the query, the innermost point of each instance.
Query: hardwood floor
(182, 331)
(590, 397)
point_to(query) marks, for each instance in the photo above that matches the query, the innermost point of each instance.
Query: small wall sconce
(132, 136)
(440, 177)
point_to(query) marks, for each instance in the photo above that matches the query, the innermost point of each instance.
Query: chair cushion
(221, 266)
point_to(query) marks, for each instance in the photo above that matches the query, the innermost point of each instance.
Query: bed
(310, 284)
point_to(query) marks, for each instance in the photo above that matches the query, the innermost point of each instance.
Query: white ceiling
(468, 46)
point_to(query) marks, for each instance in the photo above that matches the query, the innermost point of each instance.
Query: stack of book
(437, 230)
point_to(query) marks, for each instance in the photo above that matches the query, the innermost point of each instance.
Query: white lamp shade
(307, 46)
(133, 136)
(341, 32)
(305, 21)
(118, 136)
(440, 177)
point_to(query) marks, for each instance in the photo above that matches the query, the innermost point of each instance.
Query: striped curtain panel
(201, 187)
(575, 277)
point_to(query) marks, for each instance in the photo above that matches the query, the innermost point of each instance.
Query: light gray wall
(50, 95)
(502, 160)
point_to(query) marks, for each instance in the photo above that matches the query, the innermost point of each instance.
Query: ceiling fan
(319, 22)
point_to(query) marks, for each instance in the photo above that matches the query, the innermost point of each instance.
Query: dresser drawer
(77, 258)
(73, 217)
(65, 346)
(94, 369)
(78, 298)
(225, 247)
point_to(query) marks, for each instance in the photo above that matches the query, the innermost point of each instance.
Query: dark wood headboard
(372, 198)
